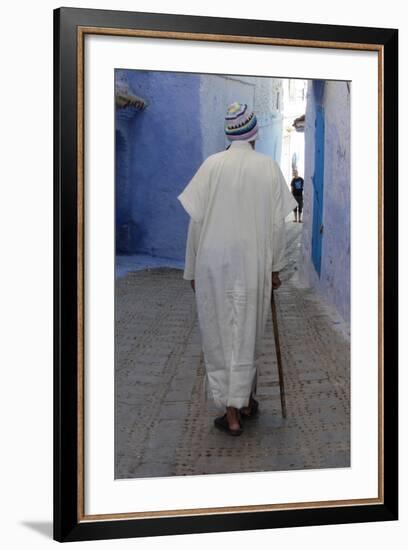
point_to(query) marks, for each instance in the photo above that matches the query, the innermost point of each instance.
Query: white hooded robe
(237, 201)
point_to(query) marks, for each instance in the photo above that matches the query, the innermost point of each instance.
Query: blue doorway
(318, 190)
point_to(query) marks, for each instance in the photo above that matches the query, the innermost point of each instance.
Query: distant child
(296, 186)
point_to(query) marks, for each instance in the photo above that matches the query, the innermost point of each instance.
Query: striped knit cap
(240, 123)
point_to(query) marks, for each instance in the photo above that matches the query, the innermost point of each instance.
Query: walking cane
(278, 354)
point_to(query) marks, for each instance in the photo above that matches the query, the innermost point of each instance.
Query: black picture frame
(69, 521)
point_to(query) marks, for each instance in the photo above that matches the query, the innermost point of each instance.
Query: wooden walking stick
(278, 354)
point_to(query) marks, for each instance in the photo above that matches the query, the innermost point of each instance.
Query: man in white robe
(237, 201)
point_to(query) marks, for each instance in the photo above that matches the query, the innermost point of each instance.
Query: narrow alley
(163, 421)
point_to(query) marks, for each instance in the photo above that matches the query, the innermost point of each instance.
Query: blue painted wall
(318, 190)
(158, 150)
(334, 280)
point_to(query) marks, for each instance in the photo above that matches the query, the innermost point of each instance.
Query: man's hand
(193, 284)
(276, 282)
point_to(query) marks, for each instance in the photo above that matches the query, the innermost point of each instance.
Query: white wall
(26, 275)
(217, 92)
(293, 142)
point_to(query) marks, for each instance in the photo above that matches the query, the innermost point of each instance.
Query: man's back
(237, 201)
(242, 207)
(237, 226)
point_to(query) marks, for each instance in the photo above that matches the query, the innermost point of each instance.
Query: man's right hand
(276, 282)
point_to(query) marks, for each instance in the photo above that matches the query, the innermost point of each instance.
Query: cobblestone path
(163, 421)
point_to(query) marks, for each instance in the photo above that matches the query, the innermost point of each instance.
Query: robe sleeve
(193, 238)
(195, 194)
(284, 203)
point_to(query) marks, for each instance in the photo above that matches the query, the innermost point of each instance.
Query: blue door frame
(318, 190)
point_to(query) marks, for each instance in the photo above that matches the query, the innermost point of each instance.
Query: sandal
(253, 409)
(221, 423)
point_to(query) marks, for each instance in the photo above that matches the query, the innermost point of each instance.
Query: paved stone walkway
(163, 421)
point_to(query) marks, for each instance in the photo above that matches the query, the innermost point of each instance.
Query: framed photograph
(225, 274)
